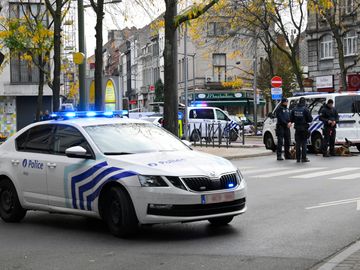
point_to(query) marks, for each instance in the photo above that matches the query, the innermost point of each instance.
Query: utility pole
(255, 83)
(186, 85)
(82, 67)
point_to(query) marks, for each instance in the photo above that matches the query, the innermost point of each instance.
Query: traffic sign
(152, 88)
(276, 82)
(276, 93)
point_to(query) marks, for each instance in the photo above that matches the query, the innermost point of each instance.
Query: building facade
(323, 56)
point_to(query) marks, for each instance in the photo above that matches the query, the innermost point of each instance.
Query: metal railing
(215, 134)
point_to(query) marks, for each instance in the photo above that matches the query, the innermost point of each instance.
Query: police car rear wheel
(221, 221)
(195, 135)
(269, 142)
(316, 143)
(119, 213)
(10, 207)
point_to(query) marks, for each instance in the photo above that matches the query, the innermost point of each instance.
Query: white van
(209, 120)
(346, 104)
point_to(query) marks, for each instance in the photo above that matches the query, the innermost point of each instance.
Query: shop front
(235, 103)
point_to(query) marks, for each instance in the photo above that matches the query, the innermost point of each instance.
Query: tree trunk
(170, 70)
(297, 71)
(99, 99)
(57, 59)
(40, 90)
(343, 70)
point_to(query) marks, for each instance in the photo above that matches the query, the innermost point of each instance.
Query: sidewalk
(235, 151)
(346, 259)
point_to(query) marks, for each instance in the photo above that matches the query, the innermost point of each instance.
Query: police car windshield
(114, 139)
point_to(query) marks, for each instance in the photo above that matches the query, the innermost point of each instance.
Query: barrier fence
(215, 134)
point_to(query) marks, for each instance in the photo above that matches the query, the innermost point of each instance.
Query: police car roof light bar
(297, 94)
(88, 114)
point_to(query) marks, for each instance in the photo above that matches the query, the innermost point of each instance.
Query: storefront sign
(110, 92)
(92, 92)
(354, 82)
(228, 95)
(324, 82)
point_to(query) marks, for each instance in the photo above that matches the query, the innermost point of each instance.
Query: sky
(119, 16)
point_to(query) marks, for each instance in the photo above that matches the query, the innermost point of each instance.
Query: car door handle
(15, 162)
(51, 165)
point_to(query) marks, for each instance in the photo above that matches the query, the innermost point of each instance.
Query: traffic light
(2, 57)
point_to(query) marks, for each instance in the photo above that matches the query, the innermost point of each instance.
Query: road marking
(323, 173)
(290, 172)
(266, 170)
(339, 258)
(335, 203)
(348, 176)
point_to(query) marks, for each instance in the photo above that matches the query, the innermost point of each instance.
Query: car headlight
(152, 181)
(239, 176)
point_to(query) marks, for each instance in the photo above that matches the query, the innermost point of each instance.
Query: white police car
(125, 171)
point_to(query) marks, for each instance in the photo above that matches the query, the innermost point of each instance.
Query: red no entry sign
(276, 82)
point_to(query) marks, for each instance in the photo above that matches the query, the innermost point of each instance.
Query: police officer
(329, 116)
(283, 129)
(301, 117)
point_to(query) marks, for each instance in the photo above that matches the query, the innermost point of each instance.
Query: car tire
(316, 143)
(269, 142)
(10, 207)
(233, 135)
(119, 213)
(195, 135)
(221, 221)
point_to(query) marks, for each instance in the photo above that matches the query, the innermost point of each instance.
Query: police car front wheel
(10, 207)
(119, 212)
(221, 221)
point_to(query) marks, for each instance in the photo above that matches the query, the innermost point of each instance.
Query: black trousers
(283, 138)
(301, 143)
(329, 139)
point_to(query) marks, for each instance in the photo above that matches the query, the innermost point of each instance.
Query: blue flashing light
(53, 115)
(199, 104)
(231, 185)
(91, 114)
(70, 114)
(108, 113)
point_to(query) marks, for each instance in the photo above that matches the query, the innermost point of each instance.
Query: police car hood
(175, 163)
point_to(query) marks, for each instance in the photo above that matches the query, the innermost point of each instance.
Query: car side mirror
(187, 143)
(77, 152)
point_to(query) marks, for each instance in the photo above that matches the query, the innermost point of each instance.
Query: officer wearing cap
(283, 129)
(301, 117)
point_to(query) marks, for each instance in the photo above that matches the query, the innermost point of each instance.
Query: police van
(346, 104)
(206, 122)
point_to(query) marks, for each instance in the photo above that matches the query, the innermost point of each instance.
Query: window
(349, 6)
(350, 43)
(315, 105)
(221, 116)
(36, 140)
(219, 67)
(21, 70)
(326, 47)
(217, 29)
(293, 104)
(66, 137)
(347, 104)
(202, 114)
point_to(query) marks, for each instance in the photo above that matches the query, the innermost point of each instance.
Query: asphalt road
(286, 227)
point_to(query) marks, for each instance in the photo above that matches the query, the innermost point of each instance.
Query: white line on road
(266, 170)
(334, 203)
(348, 176)
(323, 173)
(290, 171)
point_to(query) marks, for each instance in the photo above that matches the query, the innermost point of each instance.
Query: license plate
(217, 198)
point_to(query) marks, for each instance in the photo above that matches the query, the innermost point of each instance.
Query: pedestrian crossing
(345, 173)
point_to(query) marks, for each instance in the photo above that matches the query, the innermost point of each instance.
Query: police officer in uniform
(301, 117)
(329, 116)
(283, 129)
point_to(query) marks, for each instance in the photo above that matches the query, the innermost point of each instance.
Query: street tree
(98, 7)
(284, 70)
(57, 10)
(172, 21)
(30, 37)
(336, 14)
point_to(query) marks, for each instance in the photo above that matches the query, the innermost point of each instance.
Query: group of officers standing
(301, 117)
